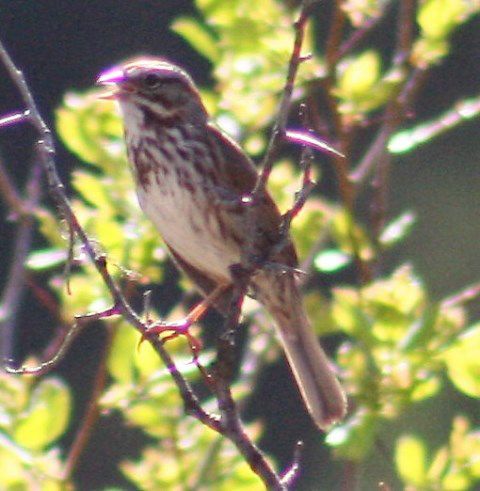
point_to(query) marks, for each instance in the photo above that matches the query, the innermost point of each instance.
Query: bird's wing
(241, 176)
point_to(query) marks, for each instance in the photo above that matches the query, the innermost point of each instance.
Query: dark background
(62, 45)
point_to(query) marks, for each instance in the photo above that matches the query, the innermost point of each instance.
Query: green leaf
(350, 237)
(359, 75)
(463, 362)
(310, 224)
(397, 229)
(410, 459)
(121, 360)
(348, 314)
(332, 260)
(89, 293)
(147, 360)
(437, 18)
(91, 129)
(46, 416)
(198, 36)
(394, 303)
(50, 227)
(12, 475)
(319, 313)
(92, 189)
(353, 439)
(426, 388)
(360, 12)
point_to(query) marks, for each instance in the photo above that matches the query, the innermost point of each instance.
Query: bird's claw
(173, 330)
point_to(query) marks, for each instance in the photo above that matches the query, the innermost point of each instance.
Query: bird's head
(153, 83)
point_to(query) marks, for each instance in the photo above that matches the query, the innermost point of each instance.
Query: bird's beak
(113, 80)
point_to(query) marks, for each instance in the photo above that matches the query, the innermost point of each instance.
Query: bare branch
(46, 153)
(15, 286)
(59, 355)
(92, 412)
(10, 194)
(289, 476)
(358, 35)
(281, 120)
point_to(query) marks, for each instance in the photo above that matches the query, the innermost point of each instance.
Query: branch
(229, 423)
(10, 194)
(230, 418)
(358, 35)
(92, 412)
(15, 286)
(46, 155)
(281, 120)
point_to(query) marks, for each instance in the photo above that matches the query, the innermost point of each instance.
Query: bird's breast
(175, 190)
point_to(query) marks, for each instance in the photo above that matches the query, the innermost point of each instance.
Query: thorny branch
(350, 181)
(281, 120)
(229, 423)
(46, 154)
(241, 275)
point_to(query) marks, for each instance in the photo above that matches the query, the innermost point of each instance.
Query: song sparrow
(190, 179)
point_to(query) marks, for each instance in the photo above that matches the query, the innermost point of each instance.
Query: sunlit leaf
(91, 188)
(463, 361)
(198, 36)
(425, 389)
(437, 18)
(348, 314)
(394, 303)
(332, 260)
(358, 76)
(122, 353)
(353, 439)
(310, 225)
(350, 236)
(397, 229)
(410, 459)
(47, 415)
(362, 11)
(409, 139)
(91, 128)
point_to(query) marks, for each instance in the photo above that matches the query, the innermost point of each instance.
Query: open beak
(112, 80)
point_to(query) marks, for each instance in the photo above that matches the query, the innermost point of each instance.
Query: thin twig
(230, 418)
(92, 412)
(358, 35)
(9, 193)
(281, 120)
(395, 113)
(15, 286)
(13, 119)
(51, 363)
(301, 196)
(462, 297)
(229, 423)
(291, 474)
(46, 153)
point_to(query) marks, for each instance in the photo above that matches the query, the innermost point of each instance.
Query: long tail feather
(313, 373)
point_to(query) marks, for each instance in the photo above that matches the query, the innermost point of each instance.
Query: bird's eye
(151, 81)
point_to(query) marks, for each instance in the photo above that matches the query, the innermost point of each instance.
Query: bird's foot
(171, 330)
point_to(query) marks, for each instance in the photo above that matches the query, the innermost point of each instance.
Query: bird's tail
(320, 389)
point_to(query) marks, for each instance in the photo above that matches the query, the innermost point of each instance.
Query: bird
(194, 182)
